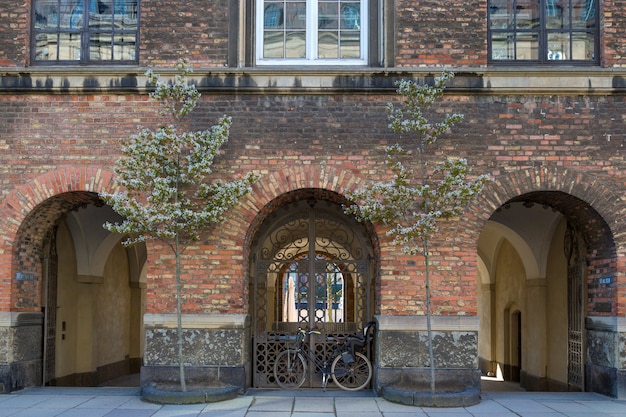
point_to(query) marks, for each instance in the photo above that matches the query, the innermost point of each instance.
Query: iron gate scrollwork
(312, 269)
(576, 311)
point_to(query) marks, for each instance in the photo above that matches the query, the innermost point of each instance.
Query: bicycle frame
(321, 364)
(345, 365)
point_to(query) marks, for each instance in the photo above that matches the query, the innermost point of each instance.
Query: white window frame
(311, 39)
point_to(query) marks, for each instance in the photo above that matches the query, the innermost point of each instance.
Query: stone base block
(195, 375)
(411, 386)
(19, 375)
(422, 397)
(606, 381)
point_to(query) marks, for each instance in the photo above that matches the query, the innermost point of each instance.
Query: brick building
(530, 283)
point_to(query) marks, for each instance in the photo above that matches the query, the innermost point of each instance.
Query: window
(318, 32)
(543, 31)
(85, 31)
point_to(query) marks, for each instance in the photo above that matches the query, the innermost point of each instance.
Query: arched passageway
(312, 267)
(542, 256)
(88, 286)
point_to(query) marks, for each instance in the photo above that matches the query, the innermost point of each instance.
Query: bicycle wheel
(290, 369)
(352, 375)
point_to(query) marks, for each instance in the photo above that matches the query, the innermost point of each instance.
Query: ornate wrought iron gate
(576, 315)
(312, 270)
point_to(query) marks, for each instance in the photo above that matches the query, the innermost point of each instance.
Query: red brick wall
(332, 142)
(441, 33)
(195, 29)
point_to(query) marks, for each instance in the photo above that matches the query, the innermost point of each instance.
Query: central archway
(312, 267)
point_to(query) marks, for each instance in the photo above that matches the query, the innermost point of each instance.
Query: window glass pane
(502, 46)
(71, 14)
(557, 14)
(526, 46)
(558, 46)
(296, 15)
(273, 45)
(501, 14)
(125, 14)
(296, 45)
(527, 14)
(350, 45)
(69, 46)
(124, 47)
(328, 16)
(351, 16)
(46, 14)
(46, 46)
(583, 46)
(327, 45)
(273, 15)
(100, 47)
(584, 13)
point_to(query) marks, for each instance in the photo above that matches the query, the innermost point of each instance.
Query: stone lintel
(438, 323)
(197, 321)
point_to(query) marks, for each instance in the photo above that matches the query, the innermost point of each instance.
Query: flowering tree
(163, 175)
(412, 204)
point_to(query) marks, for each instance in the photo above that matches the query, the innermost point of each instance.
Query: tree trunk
(179, 317)
(429, 329)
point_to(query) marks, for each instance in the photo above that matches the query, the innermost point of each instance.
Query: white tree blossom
(412, 204)
(163, 177)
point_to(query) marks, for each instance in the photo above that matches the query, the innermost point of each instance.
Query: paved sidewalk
(125, 402)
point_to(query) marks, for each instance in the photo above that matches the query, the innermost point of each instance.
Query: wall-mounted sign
(24, 276)
(605, 280)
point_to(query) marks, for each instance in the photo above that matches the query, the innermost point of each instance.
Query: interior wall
(66, 337)
(542, 303)
(510, 288)
(556, 314)
(94, 317)
(112, 304)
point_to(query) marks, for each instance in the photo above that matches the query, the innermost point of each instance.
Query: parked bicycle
(348, 365)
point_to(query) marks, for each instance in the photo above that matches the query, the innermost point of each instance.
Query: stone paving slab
(126, 402)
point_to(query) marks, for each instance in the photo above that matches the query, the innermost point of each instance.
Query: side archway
(562, 227)
(73, 282)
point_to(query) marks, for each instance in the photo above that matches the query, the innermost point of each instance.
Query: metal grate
(312, 270)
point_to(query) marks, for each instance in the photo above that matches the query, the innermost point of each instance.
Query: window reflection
(543, 30)
(328, 30)
(85, 30)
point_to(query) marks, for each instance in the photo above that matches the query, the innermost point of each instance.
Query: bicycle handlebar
(301, 330)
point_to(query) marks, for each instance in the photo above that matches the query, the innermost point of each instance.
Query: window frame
(311, 39)
(85, 33)
(543, 32)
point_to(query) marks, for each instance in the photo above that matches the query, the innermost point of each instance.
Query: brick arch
(23, 199)
(589, 204)
(28, 216)
(329, 183)
(511, 185)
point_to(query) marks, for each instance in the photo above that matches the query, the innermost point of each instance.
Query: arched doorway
(542, 256)
(312, 267)
(89, 287)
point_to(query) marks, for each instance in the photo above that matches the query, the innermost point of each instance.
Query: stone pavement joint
(126, 402)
